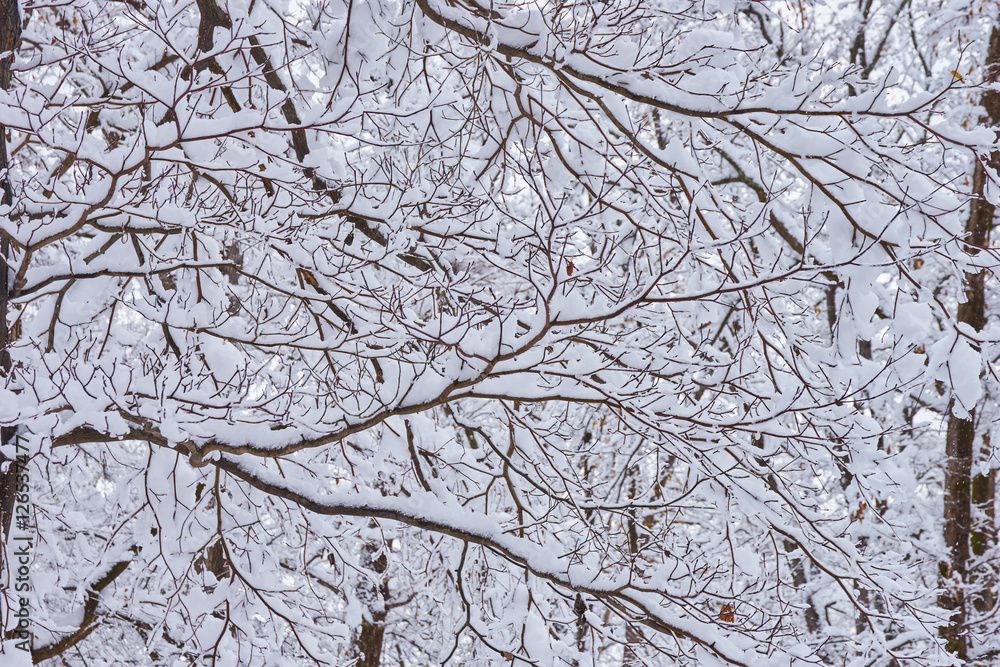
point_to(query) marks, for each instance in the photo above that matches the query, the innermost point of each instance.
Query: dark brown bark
(10, 36)
(580, 610)
(212, 17)
(214, 557)
(633, 633)
(961, 434)
(90, 619)
(958, 523)
(633, 636)
(983, 584)
(984, 580)
(214, 560)
(800, 579)
(368, 644)
(984, 537)
(797, 564)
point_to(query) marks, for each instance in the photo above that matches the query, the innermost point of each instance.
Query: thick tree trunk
(959, 485)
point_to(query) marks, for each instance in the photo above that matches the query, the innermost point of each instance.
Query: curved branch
(90, 616)
(425, 512)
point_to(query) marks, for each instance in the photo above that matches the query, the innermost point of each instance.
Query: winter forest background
(521, 332)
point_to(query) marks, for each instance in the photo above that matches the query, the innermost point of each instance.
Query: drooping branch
(425, 512)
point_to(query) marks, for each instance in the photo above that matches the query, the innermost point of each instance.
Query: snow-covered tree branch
(558, 333)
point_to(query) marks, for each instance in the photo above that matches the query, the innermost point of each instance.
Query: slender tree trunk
(579, 605)
(846, 477)
(984, 580)
(10, 35)
(957, 525)
(580, 610)
(368, 644)
(959, 485)
(798, 565)
(983, 585)
(633, 635)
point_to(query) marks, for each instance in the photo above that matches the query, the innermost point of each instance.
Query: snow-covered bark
(10, 34)
(970, 472)
(513, 314)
